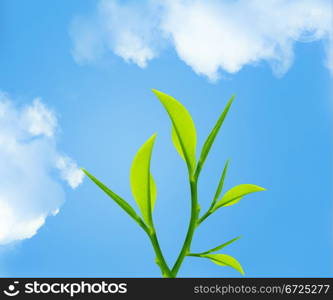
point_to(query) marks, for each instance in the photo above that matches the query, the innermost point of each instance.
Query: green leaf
(211, 138)
(221, 183)
(121, 202)
(153, 192)
(183, 133)
(177, 143)
(236, 193)
(142, 183)
(220, 246)
(225, 260)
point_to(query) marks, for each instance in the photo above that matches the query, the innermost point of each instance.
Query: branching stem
(159, 255)
(191, 228)
(185, 250)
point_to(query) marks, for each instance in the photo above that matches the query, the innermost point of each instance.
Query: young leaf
(121, 202)
(183, 133)
(153, 192)
(220, 246)
(142, 183)
(236, 193)
(177, 143)
(221, 183)
(211, 138)
(225, 260)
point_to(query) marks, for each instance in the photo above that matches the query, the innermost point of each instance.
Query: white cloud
(126, 30)
(69, 171)
(208, 35)
(39, 120)
(29, 184)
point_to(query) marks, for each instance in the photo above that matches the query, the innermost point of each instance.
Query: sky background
(278, 135)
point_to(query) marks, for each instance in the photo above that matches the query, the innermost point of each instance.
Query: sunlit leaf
(184, 133)
(142, 183)
(211, 138)
(153, 192)
(221, 183)
(225, 261)
(177, 143)
(121, 202)
(236, 193)
(220, 246)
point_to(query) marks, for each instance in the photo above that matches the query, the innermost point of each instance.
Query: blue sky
(278, 135)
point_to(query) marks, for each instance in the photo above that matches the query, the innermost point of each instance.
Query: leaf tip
(153, 137)
(231, 100)
(84, 170)
(156, 92)
(261, 189)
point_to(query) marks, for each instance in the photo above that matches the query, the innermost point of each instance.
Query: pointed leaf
(211, 138)
(142, 183)
(153, 192)
(121, 202)
(225, 260)
(184, 134)
(177, 143)
(236, 193)
(220, 246)
(221, 183)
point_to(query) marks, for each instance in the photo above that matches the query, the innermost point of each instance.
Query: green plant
(144, 188)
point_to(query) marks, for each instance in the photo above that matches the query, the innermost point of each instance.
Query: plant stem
(204, 217)
(194, 254)
(191, 228)
(159, 255)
